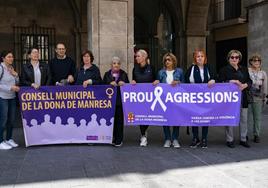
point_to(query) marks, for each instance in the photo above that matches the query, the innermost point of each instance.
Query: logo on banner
(157, 93)
(130, 117)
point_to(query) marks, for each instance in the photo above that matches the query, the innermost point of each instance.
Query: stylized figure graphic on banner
(70, 121)
(83, 122)
(93, 121)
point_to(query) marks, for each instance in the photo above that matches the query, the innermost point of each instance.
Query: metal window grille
(226, 9)
(25, 38)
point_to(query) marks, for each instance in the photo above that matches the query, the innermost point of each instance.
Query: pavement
(92, 166)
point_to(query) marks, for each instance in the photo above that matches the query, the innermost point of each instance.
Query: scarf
(197, 77)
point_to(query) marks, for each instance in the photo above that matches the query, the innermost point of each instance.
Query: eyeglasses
(114, 63)
(234, 57)
(256, 60)
(61, 49)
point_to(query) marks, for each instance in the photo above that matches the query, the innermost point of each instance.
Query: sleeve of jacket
(133, 73)
(187, 75)
(105, 78)
(248, 80)
(182, 80)
(24, 81)
(97, 78)
(212, 74)
(222, 75)
(48, 76)
(125, 77)
(73, 68)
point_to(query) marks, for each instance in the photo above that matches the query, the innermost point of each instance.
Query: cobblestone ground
(81, 166)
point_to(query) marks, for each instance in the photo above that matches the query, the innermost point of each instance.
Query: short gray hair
(115, 58)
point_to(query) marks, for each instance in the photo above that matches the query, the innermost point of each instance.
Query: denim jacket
(177, 75)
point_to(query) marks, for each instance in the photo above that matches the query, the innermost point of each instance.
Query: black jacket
(27, 74)
(188, 73)
(92, 73)
(143, 74)
(228, 73)
(108, 78)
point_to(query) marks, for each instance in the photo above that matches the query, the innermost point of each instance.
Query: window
(226, 9)
(33, 36)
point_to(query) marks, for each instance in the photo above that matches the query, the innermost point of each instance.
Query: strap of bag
(1, 71)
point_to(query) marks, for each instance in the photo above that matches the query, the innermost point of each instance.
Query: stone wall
(257, 31)
(46, 13)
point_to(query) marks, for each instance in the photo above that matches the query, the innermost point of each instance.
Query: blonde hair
(234, 52)
(145, 55)
(253, 57)
(173, 59)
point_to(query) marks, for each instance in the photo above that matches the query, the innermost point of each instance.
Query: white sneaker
(143, 141)
(167, 144)
(4, 146)
(176, 144)
(12, 143)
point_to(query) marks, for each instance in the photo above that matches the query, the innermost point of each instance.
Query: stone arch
(174, 10)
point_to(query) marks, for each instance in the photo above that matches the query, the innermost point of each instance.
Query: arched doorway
(156, 29)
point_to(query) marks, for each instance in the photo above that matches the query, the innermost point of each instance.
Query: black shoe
(230, 144)
(195, 143)
(245, 144)
(204, 144)
(256, 139)
(118, 144)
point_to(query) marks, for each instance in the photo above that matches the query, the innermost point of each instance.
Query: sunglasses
(234, 57)
(256, 60)
(167, 59)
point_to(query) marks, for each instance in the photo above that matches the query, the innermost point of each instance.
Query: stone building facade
(118, 27)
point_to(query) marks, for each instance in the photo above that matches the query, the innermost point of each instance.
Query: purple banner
(69, 114)
(182, 105)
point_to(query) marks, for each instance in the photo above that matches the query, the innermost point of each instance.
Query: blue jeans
(175, 133)
(7, 117)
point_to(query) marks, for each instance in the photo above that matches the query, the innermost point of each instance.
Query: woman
(8, 87)
(142, 73)
(199, 72)
(259, 91)
(237, 74)
(89, 74)
(35, 73)
(117, 77)
(170, 74)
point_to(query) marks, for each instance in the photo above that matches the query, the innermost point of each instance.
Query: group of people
(62, 71)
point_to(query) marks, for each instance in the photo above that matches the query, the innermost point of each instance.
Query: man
(62, 67)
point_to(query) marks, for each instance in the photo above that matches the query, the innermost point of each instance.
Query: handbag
(249, 96)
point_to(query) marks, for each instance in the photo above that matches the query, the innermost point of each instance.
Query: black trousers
(118, 125)
(143, 129)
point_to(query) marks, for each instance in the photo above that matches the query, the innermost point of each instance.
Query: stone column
(196, 27)
(257, 29)
(111, 32)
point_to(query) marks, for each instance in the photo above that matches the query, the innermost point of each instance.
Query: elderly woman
(259, 91)
(35, 73)
(142, 73)
(237, 74)
(117, 77)
(89, 73)
(8, 87)
(170, 74)
(199, 72)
